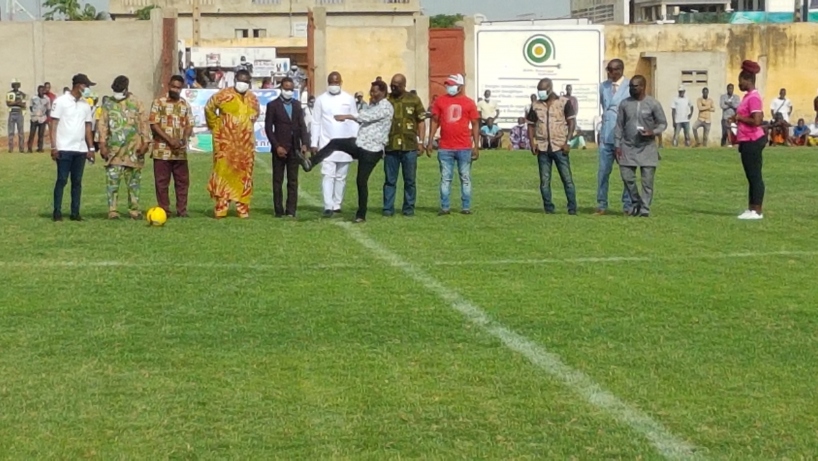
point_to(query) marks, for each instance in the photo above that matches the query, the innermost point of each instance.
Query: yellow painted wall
(362, 53)
(788, 53)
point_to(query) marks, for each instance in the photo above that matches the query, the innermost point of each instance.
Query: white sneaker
(751, 215)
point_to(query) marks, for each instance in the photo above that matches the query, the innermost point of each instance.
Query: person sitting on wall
(491, 134)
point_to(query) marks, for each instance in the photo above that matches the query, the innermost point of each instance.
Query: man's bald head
(398, 84)
(334, 78)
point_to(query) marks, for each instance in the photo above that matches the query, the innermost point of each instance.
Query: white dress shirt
(326, 128)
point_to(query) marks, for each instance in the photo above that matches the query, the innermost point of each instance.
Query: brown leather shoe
(599, 212)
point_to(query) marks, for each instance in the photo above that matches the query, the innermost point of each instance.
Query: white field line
(465, 263)
(667, 444)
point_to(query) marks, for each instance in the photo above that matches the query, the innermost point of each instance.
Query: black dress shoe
(56, 217)
(76, 217)
(326, 214)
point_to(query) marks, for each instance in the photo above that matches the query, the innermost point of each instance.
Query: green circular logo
(538, 50)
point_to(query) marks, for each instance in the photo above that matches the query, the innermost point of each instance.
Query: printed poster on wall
(202, 140)
(511, 60)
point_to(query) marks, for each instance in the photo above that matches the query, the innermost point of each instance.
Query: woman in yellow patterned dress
(230, 115)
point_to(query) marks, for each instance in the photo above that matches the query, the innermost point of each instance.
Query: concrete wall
(786, 52)
(36, 52)
(380, 46)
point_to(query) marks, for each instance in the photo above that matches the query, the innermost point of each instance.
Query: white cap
(682, 88)
(14, 80)
(455, 79)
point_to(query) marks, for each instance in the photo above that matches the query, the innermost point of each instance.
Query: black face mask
(396, 90)
(173, 95)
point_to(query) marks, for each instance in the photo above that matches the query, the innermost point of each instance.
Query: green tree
(144, 14)
(445, 21)
(72, 10)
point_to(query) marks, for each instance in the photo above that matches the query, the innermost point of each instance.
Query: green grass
(272, 339)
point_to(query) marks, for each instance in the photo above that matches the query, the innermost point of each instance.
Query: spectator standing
(781, 105)
(16, 102)
(706, 108)
(729, 102)
(39, 106)
(682, 110)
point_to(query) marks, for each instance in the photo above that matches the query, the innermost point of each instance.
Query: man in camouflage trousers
(124, 138)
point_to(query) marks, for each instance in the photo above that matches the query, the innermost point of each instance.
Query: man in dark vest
(287, 132)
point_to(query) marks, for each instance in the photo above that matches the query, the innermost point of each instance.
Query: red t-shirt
(456, 114)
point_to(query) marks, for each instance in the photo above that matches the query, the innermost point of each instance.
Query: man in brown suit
(287, 132)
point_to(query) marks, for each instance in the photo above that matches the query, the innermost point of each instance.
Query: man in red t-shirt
(459, 122)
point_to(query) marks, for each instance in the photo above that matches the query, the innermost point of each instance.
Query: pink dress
(749, 105)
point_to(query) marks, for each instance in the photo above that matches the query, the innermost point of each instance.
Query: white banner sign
(262, 59)
(511, 60)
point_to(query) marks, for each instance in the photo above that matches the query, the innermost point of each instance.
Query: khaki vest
(551, 126)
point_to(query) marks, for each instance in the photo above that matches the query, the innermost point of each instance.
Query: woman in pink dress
(751, 138)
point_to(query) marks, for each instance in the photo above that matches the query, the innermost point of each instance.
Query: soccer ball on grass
(156, 216)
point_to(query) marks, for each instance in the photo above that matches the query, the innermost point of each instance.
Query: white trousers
(334, 183)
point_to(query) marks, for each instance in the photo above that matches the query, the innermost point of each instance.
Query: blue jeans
(69, 164)
(607, 157)
(392, 163)
(563, 163)
(447, 159)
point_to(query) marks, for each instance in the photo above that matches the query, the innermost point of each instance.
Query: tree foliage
(72, 10)
(144, 14)
(445, 21)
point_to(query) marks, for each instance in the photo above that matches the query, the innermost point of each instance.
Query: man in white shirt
(326, 128)
(309, 112)
(682, 110)
(782, 106)
(488, 108)
(72, 142)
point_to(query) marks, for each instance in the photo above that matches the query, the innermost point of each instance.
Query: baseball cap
(82, 79)
(682, 88)
(455, 79)
(14, 80)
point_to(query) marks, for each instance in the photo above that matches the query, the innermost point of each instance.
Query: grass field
(507, 334)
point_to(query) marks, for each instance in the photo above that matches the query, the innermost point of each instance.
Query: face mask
(310, 104)
(634, 92)
(543, 94)
(119, 96)
(242, 87)
(334, 89)
(86, 92)
(173, 95)
(287, 94)
(451, 90)
(395, 90)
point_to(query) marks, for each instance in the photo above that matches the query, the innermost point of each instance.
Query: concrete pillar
(470, 58)
(420, 81)
(321, 71)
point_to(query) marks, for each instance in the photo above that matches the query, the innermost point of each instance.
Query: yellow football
(156, 216)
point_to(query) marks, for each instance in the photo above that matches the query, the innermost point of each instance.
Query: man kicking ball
(376, 121)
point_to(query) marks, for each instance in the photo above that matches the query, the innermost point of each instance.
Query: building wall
(785, 52)
(362, 50)
(36, 52)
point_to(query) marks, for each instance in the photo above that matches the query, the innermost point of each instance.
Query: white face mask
(287, 94)
(452, 90)
(334, 89)
(543, 94)
(119, 96)
(242, 87)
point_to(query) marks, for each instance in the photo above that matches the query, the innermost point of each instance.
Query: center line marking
(667, 444)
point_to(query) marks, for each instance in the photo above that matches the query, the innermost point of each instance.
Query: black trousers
(39, 128)
(725, 127)
(289, 165)
(751, 159)
(367, 161)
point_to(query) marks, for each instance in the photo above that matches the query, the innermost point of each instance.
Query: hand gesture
(281, 151)
(342, 118)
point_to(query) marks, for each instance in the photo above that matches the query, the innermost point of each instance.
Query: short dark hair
(47, 83)
(286, 80)
(120, 83)
(41, 87)
(243, 72)
(380, 84)
(177, 78)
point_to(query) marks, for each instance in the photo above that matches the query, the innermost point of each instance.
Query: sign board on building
(511, 60)
(202, 140)
(299, 29)
(262, 58)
